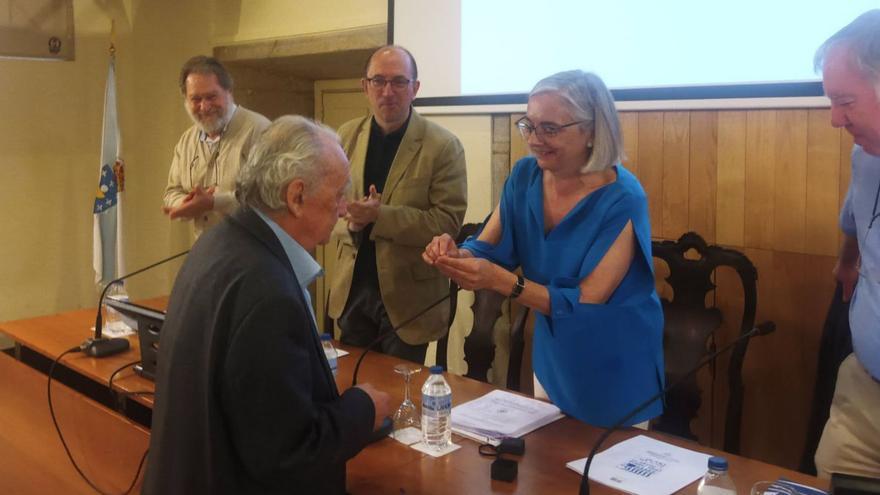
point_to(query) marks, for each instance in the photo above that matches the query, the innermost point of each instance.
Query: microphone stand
(99, 346)
(387, 425)
(761, 329)
(383, 336)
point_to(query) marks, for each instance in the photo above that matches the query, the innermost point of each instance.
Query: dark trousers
(364, 319)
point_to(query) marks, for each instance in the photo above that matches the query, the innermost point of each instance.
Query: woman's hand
(440, 246)
(473, 273)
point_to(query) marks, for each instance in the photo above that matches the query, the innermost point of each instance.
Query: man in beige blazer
(409, 185)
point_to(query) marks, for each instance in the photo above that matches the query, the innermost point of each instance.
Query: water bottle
(112, 319)
(436, 410)
(329, 351)
(717, 481)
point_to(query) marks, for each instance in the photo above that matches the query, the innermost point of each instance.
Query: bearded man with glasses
(410, 184)
(209, 154)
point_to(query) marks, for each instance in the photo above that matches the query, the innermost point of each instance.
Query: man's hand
(846, 271)
(847, 274)
(195, 204)
(364, 212)
(381, 403)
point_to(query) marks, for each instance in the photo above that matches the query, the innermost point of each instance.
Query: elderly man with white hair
(850, 64)
(245, 399)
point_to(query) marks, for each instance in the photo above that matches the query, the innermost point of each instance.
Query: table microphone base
(104, 347)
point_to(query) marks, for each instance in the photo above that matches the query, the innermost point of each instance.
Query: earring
(590, 144)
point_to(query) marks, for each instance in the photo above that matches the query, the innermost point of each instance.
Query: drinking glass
(407, 415)
(771, 488)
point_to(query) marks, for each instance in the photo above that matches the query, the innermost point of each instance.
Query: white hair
(290, 148)
(861, 38)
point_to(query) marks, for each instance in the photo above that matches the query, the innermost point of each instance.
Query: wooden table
(51, 335)
(388, 467)
(106, 446)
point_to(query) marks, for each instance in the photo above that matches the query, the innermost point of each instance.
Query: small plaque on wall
(37, 29)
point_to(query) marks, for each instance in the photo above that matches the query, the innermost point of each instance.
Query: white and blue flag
(107, 209)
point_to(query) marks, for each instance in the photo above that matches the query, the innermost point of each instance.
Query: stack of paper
(645, 466)
(501, 414)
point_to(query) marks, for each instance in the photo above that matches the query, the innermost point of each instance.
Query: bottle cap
(436, 369)
(718, 463)
(325, 337)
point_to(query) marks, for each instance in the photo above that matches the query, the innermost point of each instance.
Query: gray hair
(290, 148)
(862, 38)
(590, 101)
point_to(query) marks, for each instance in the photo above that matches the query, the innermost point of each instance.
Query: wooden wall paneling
(790, 174)
(629, 129)
(779, 371)
(760, 178)
(518, 147)
(823, 188)
(760, 365)
(650, 166)
(731, 179)
(676, 173)
(702, 180)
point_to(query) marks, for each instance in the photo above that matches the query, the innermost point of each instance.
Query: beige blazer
(425, 195)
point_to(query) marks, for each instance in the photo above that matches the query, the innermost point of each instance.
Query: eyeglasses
(543, 130)
(379, 82)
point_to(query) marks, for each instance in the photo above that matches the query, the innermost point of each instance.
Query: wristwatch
(518, 287)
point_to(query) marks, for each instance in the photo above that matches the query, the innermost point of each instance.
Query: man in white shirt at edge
(850, 63)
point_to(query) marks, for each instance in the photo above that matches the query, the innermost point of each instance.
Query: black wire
(874, 211)
(137, 473)
(119, 370)
(383, 336)
(61, 437)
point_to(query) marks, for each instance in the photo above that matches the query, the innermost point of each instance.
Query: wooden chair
(479, 346)
(689, 324)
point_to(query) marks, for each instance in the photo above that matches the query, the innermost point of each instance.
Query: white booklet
(501, 414)
(644, 466)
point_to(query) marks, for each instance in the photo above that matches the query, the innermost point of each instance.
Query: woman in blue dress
(576, 222)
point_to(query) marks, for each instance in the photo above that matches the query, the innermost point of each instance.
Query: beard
(212, 122)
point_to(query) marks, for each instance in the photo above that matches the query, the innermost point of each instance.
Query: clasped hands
(363, 212)
(460, 265)
(196, 203)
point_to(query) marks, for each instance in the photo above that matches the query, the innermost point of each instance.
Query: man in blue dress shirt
(850, 63)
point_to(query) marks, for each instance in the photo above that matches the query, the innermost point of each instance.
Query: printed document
(644, 466)
(501, 414)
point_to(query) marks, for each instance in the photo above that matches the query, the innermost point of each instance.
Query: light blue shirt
(855, 219)
(304, 266)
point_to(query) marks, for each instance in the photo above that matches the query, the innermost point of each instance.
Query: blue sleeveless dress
(597, 362)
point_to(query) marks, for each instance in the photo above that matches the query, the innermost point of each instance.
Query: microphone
(388, 425)
(383, 336)
(99, 346)
(761, 329)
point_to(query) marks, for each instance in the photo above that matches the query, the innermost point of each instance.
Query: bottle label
(436, 404)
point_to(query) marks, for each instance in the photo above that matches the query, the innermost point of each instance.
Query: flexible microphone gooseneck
(761, 329)
(99, 346)
(383, 336)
